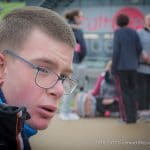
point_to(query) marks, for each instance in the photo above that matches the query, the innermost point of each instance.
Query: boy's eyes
(63, 76)
(44, 70)
(48, 70)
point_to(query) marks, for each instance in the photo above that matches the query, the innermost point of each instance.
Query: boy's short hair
(16, 26)
(122, 20)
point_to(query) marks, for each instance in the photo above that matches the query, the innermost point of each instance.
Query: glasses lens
(49, 79)
(69, 85)
(46, 79)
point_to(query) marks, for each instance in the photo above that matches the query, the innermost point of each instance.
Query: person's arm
(103, 89)
(116, 52)
(80, 40)
(143, 54)
(139, 47)
(96, 90)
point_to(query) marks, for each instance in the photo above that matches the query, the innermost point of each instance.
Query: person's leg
(140, 86)
(108, 101)
(120, 97)
(65, 109)
(128, 86)
(115, 106)
(147, 92)
(132, 101)
(66, 112)
(65, 105)
(99, 106)
(142, 90)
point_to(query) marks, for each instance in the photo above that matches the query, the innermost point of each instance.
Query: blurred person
(107, 101)
(74, 18)
(36, 52)
(85, 103)
(101, 100)
(96, 90)
(126, 52)
(144, 67)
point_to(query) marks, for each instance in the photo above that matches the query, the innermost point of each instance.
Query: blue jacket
(126, 50)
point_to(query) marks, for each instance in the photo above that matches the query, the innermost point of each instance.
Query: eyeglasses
(46, 78)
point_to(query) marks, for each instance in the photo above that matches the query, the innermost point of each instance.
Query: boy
(36, 51)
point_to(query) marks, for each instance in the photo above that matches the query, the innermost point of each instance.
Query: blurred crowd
(123, 88)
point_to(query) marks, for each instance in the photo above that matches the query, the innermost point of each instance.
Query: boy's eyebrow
(52, 63)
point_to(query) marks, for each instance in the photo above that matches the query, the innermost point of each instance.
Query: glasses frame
(38, 68)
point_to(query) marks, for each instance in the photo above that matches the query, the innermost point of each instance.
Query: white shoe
(63, 116)
(73, 116)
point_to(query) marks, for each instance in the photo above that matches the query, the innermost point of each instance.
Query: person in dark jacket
(36, 54)
(126, 52)
(74, 18)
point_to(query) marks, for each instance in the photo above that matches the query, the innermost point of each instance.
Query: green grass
(7, 7)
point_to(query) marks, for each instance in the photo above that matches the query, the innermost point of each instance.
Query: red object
(135, 15)
(77, 48)
(107, 113)
(96, 90)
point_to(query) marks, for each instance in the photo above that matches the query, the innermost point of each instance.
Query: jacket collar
(27, 129)
(2, 98)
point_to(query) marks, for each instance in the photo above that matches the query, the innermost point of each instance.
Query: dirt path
(93, 134)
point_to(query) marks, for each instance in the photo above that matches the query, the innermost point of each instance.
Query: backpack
(85, 105)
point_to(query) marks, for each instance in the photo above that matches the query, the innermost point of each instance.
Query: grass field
(7, 7)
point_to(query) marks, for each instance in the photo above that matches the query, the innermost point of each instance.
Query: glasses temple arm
(17, 56)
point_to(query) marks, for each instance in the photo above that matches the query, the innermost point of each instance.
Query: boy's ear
(2, 67)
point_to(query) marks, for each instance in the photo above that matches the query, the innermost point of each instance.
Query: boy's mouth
(47, 111)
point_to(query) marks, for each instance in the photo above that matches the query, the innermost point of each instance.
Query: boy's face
(18, 77)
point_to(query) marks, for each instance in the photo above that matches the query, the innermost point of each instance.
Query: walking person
(74, 18)
(126, 52)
